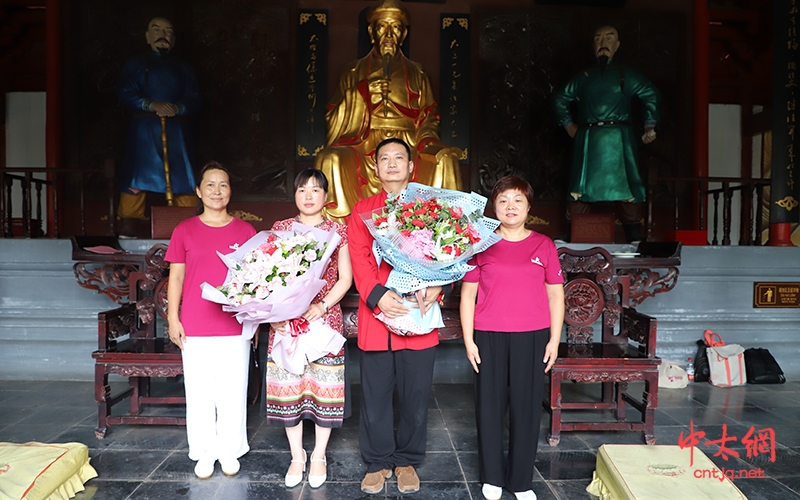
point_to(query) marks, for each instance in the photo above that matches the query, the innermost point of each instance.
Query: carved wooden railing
(751, 223)
(21, 180)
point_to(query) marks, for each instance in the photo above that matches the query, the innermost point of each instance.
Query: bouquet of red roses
(427, 235)
(429, 231)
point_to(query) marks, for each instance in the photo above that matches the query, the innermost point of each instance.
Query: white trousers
(215, 380)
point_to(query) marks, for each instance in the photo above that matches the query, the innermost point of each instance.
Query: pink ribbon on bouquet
(296, 327)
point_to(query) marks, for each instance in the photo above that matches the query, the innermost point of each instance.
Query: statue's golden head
(388, 26)
(388, 8)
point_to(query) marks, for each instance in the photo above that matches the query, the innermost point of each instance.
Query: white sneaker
(491, 492)
(525, 495)
(204, 468)
(230, 467)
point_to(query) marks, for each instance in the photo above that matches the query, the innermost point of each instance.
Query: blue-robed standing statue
(157, 86)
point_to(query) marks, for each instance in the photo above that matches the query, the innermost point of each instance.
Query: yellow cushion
(41, 471)
(642, 472)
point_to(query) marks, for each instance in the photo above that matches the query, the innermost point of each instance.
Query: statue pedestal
(164, 219)
(592, 228)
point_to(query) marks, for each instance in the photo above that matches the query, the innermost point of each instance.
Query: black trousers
(412, 373)
(511, 379)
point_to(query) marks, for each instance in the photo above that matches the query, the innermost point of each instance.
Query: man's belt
(607, 123)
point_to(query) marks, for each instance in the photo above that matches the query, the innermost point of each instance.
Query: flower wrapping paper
(411, 271)
(293, 353)
(285, 303)
(414, 323)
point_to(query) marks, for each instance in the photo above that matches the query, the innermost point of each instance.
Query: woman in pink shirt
(215, 354)
(511, 337)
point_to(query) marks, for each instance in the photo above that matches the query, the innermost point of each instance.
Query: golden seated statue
(379, 96)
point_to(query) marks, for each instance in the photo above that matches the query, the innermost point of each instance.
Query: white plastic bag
(671, 375)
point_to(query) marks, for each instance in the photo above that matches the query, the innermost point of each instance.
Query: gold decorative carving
(322, 18)
(533, 220)
(446, 22)
(302, 151)
(789, 203)
(246, 216)
(319, 148)
(304, 17)
(464, 154)
(463, 22)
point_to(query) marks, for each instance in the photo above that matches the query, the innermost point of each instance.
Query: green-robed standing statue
(604, 166)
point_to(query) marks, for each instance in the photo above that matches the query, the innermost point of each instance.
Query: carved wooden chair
(128, 346)
(594, 291)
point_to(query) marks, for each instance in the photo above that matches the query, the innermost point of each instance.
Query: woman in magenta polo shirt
(215, 354)
(511, 337)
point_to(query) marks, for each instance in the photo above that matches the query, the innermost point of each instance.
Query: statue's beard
(388, 50)
(386, 59)
(603, 61)
(164, 48)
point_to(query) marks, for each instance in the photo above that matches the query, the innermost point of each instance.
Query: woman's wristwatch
(324, 305)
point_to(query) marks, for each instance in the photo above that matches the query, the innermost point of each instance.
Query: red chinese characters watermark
(690, 441)
(756, 442)
(724, 451)
(760, 443)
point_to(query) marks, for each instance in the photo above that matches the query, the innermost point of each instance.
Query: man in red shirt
(388, 359)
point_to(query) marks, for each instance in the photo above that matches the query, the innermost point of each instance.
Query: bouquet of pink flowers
(274, 277)
(427, 235)
(271, 265)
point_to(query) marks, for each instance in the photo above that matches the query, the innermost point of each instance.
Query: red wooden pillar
(701, 92)
(53, 151)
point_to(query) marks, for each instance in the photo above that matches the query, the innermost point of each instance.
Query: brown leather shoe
(407, 479)
(373, 482)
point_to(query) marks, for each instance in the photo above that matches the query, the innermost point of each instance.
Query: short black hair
(392, 140)
(311, 173)
(212, 165)
(512, 183)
